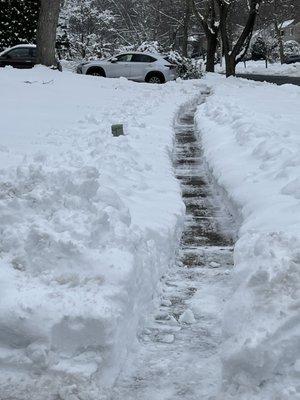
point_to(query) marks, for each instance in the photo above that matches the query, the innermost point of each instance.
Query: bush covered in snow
(187, 67)
(264, 47)
(151, 47)
(259, 49)
(291, 48)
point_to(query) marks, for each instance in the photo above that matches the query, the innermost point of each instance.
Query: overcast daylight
(150, 200)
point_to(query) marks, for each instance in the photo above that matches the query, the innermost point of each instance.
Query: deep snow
(89, 223)
(251, 141)
(178, 357)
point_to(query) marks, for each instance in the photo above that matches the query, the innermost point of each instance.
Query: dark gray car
(21, 56)
(292, 59)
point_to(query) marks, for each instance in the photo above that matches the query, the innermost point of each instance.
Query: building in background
(291, 30)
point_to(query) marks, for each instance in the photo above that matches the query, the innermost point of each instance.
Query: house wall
(292, 32)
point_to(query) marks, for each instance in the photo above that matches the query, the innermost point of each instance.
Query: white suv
(141, 67)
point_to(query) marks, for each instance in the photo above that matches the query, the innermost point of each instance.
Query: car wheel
(95, 72)
(157, 78)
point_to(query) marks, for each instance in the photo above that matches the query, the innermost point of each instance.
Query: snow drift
(89, 222)
(251, 141)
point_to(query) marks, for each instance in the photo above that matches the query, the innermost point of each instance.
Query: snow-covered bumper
(79, 69)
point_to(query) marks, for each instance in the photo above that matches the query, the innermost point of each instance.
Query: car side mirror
(114, 60)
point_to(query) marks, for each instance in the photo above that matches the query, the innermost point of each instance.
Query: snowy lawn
(89, 223)
(251, 139)
(259, 67)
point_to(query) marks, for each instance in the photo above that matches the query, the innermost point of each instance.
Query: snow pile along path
(251, 142)
(89, 223)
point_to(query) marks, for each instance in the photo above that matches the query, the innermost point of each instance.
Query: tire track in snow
(178, 356)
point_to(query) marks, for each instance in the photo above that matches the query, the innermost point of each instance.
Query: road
(279, 80)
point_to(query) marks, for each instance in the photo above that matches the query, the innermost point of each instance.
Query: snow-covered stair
(178, 356)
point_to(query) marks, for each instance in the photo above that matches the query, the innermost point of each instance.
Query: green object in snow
(117, 130)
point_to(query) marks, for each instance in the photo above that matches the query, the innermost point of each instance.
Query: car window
(124, 58)
(142, 58)
(22, 52)
(33, 52)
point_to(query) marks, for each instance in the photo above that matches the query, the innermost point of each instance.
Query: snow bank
(259, 67)
(89, 222)
(251, 140)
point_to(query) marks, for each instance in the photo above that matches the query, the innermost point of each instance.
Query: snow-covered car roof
(17, 47)
(287, 23)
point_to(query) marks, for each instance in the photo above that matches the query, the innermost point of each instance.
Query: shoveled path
(179, 347)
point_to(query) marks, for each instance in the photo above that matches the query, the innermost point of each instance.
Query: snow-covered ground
(89, 223)
(259, 67)
(251, 140)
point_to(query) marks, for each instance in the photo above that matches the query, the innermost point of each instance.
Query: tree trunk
(223, 12)
(211, 31)
(281, 50)
(221, 54)
(236, 54)
(46, 33)
(212, 43)
(280, 42)
(230, 65)
(186, 24)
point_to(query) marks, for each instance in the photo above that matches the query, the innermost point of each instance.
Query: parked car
(292, 59)
(20, 56)
(140, 67)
